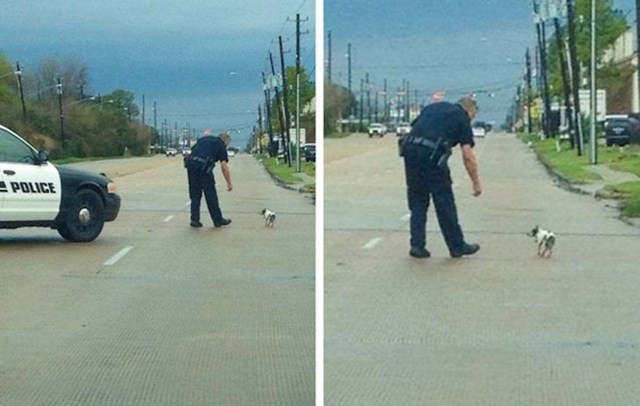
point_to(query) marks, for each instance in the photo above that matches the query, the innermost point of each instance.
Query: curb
(298, 188)
(599, 194)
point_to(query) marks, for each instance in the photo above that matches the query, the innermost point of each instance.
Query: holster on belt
(439, 149)
(205, 162)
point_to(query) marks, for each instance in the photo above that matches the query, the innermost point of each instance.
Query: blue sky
(200, 61)
(455, 46)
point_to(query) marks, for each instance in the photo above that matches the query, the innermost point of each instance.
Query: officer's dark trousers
(199, 182)
(426, 181)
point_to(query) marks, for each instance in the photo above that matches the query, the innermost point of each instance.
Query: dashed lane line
(168, 219)
(372, 244)
(117, 257)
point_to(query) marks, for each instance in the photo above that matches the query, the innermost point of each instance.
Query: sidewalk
(597, 189)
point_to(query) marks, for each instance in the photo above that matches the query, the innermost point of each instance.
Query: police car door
(30, 190)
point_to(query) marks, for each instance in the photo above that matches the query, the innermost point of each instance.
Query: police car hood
(80, 176)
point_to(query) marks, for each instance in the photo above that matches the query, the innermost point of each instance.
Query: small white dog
(269, 217)
(545, 240)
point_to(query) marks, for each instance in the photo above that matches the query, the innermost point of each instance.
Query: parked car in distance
(171, 152)
(479, 129)
(403, 129)
(232, 151)
(621, 130)
(309, 151)
(377, 129)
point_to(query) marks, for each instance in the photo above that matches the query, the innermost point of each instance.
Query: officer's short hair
(467, 102)
(225, 137)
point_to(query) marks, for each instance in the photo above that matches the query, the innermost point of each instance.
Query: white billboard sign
(601, 103)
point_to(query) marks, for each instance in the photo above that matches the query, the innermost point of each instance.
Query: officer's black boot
(223, 222)
(419, 252)
(467, 249)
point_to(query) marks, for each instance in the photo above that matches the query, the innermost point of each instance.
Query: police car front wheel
(85, 218)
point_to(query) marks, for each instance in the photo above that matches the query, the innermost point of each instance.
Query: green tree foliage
(7, 79)
(610, 24)
(307, 92)
(338, 102)
(94, 126)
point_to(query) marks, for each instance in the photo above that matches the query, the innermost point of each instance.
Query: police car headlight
(111, 187)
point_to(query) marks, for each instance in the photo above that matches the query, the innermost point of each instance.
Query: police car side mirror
(42, 157)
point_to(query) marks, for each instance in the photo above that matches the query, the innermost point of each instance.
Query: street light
(80, 101)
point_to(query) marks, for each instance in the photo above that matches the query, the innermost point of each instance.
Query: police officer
(439, 127)
(204, 155)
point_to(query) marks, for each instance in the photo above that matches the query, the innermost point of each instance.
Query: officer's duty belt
(440, 152)
(422, 141)
(198, 159)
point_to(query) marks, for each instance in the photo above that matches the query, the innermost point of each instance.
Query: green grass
(574, 168)
(288, 175)
(563, 159)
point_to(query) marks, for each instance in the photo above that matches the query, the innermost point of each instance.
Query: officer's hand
(229, 187)
(477, 189)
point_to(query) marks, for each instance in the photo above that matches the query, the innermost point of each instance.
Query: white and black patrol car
(36, 193)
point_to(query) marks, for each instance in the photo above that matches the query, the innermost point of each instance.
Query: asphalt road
(503, 327)
(156, 313)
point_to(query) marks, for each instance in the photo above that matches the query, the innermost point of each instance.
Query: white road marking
(168, 219)
(371, 244)
(118, 256)
(188, 203)
(406, 217)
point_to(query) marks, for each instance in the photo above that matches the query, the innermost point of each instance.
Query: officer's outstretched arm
(471, 165)
(226, 172)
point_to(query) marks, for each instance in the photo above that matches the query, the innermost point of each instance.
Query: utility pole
(368, 89)
(529, 123)
(351, 114)
(286, 108)
(349, 67)
(594, 114)
(361, 102)
(407, 112)
(279, 104)
(59, 91)
(259, 129)
(267, 104)
(565, 80)
(298, 164)
(545, 82)
(575, 75)
(386, 105)
(544, 90)
(637, 100)
(155, 122)
(24, 108)
(143, 110)
(330, 56)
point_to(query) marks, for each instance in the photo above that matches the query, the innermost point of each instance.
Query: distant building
(624, 98)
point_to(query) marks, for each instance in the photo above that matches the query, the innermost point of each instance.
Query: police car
(36, 193)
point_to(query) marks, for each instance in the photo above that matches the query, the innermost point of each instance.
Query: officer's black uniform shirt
(212, 148)
(444, 119)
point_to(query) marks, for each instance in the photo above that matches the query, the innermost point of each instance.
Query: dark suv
(621, 131)
(309, 152)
